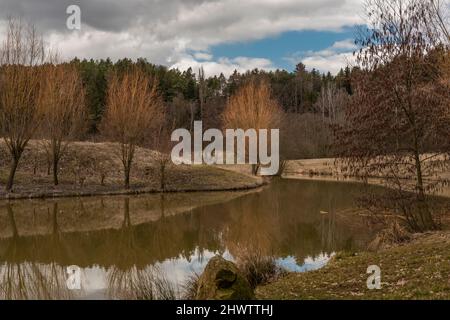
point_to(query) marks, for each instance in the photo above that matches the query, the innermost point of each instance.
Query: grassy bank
(95, 169)
(419, 269)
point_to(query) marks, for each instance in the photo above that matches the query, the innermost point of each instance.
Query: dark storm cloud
(106, 15)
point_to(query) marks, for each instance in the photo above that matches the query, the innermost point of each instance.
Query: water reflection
(131, 247)
(21, 279)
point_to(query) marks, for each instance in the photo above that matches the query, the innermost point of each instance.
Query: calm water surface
(119, 241)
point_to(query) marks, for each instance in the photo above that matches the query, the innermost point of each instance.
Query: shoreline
(131, 192)
(321, 170)
(374, 182)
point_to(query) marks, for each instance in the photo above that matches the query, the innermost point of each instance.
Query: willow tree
(397, 124)
(20, 81)
(61, 100)
(133, 112)
(252, 107)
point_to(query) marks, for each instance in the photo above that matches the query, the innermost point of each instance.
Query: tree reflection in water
(137, 237)
(125, 282)
(30, 279)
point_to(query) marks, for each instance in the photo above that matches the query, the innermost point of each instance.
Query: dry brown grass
(393, 234)
(190, 286)
(95, 168)
(258, 268)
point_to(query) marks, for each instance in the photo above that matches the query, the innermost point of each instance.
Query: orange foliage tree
(20, 80)
(252, 107)
(134, 110)
(61, 100)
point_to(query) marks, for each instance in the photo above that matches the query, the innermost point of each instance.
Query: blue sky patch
(283, 49)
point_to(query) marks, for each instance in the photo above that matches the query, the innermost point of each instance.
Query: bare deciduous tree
(163, 145)
(397, 123)
(438, 16)
(23, 45)
(20, 80)
(331, 102)
(61, 100)
(133, 111)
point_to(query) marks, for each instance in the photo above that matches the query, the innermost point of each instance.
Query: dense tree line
(313, 100)
(189, 96)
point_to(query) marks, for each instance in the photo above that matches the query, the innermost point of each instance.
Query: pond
(115, 243)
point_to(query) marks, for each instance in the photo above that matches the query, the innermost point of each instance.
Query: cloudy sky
(220, 35)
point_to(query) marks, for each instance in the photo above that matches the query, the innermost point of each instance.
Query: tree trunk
(163, 177)
(127, 176)
(35, 165)
(49, 161)
(296, 97)
(192, 117)
(127, 160)
(55, 171)
(424, 213)
(12, 173)
(418, 166)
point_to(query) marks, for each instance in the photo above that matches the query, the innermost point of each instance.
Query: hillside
(86, 164)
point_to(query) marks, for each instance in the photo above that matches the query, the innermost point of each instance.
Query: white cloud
(203, 56)
(96, 44)
(121, 45)
(348, 45)
(331, 63)
(215, 22)
(331, 59)
(166, 32)
(224, 65)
